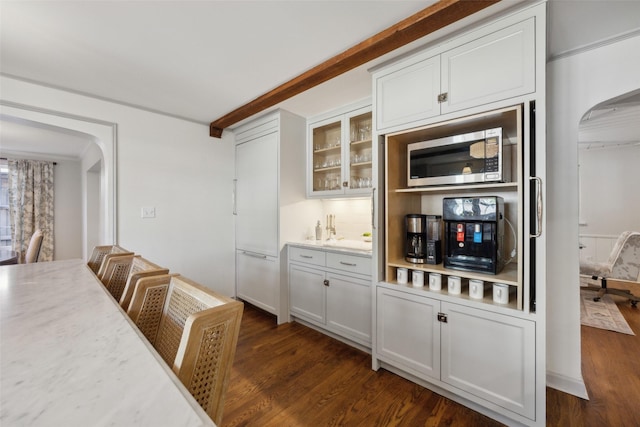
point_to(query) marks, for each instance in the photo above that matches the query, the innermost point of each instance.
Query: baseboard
(565, 384)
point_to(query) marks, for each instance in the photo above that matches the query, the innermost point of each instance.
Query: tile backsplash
(352, 217)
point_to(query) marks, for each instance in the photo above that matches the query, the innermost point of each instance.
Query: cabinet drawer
(354, 264)
(308, 256)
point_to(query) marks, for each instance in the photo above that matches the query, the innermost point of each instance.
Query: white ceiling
(198, 60)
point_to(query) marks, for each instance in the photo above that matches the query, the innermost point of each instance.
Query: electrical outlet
(149, 212)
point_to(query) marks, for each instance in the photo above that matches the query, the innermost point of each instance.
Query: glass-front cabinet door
(340, 160)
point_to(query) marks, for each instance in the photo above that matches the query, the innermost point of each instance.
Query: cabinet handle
(234, 197)
(306, 256)
(326, 282)
(373, 208)
(348, 263)
(538, 205)
(254, 255)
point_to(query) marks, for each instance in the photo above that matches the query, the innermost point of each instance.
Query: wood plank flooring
(291, 375)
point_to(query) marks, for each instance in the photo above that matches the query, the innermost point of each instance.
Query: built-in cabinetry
(480, 353)
(339, 160)
(487, 355)
(332, 290)
(478, 71)
(269, 164)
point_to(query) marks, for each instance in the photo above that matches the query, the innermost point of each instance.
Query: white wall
(170, 164)
(609, 178)
(575, 84)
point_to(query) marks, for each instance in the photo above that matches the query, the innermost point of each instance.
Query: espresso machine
(474, 233)
(416, 240)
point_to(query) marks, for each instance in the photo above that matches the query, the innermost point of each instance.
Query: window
(5, 224)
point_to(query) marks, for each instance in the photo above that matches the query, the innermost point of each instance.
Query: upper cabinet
(497, 66)
(339, 159)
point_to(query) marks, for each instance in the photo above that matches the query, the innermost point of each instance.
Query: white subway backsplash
(352, 217)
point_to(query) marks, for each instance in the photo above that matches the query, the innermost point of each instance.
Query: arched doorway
(98, 168)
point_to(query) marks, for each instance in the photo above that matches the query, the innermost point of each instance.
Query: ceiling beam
(434, 17)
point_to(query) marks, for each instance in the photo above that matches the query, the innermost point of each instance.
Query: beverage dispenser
(416, 240)
(474, 233)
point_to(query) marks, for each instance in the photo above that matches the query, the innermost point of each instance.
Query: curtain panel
(31, 205)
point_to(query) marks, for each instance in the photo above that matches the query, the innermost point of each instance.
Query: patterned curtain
(31, 205)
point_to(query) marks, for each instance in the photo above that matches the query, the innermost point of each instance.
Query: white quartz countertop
(69, 356)
(358, 247)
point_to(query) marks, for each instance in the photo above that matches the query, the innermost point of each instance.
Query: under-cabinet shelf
(453, 188)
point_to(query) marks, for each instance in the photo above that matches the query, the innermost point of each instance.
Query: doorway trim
(105, 137)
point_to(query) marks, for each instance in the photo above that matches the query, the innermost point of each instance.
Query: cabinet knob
(326, 282)
(345, 184)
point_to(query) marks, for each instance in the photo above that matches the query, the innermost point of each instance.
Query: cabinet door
(491, 356)
(408, 93)
(349, 307)
(307, 293)
(326, 160)
(258, 280)
(408, 332)
(497, 66)
(257, 195)
(358, 154)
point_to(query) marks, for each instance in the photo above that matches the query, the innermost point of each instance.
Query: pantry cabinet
(332, 291)
(480, 70)
(479, 351)
(339, 160)
(487, 355)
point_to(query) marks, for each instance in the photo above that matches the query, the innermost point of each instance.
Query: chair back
(116, 273)
(96, 261)
(33, 250)
(140, 268)
(197, 334)
(625, 257)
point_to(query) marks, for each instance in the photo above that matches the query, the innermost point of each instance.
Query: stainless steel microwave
(474, 157)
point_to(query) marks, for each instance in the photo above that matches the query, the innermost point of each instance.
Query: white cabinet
(491, 356)
(408, 334)
(258, 280)
(268, 189)
(475, 70)
(487, 355)
(331, 291)
(339, 160)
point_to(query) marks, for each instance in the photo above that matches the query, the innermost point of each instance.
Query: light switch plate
(149, 212)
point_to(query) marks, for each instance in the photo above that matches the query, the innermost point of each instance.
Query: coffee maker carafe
(416, 240)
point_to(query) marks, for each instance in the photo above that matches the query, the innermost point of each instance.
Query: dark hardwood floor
(291, 375)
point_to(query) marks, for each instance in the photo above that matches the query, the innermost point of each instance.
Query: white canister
(402, 275)
(435, 281)
(417, 277)
(454, 285)
(501, 293)
(476, 289)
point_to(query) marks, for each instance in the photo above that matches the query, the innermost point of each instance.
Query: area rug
(603, 314)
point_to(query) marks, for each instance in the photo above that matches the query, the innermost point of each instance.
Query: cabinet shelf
(328, 169)
(452, 188)
(508, 275)
(327, 149)
(361, 164)
(361, 142)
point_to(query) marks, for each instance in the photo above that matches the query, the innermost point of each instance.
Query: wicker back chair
(97, 261)
(140, 268)
(196, 334)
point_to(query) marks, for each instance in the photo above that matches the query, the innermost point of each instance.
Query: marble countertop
(358, 247)
(70, 356)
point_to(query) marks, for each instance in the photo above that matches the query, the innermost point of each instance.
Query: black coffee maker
(416, 240)
(474, 233)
